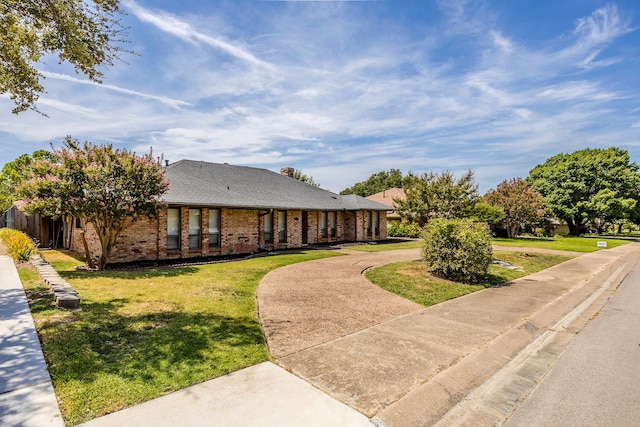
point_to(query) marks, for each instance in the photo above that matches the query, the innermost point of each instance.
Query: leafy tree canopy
(14, 173)
(519, 201)
(378, 182)
(97, 184)
(297, 174)
(435, 195)
(86, 33)
(590, 185)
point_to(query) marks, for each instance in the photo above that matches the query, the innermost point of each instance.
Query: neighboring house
(219, 209)
(387, 197)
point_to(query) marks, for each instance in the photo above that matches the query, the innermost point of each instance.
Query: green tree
(378, 182)
(297, 174)
(485, 212)
(14, 173)
(519, 201)
(590, 185)
(86, 33)
(101, 186)
(438, 196)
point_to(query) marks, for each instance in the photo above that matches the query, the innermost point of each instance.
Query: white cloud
(175, 103)
(172, 25)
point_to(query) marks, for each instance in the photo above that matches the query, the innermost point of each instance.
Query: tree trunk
(87, 254)
(574, 228)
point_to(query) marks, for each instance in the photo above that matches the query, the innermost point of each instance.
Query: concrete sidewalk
(26, 393)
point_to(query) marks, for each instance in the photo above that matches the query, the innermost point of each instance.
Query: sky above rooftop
(345, 89)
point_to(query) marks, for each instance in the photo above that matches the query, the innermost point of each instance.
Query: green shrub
(19, 245)
(457, 249)
(401, 229)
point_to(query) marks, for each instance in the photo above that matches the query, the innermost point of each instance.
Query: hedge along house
(219, 209)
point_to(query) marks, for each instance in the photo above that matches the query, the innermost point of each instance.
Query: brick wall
(241, 231)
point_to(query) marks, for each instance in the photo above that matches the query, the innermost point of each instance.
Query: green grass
(388, 245)
(411, 280)
(576, 244)
(145, 333)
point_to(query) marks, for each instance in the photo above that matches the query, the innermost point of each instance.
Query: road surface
(596, 381)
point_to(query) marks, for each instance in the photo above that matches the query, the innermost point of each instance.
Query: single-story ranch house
(219, 209)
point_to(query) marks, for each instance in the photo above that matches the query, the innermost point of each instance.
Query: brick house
(219, 209)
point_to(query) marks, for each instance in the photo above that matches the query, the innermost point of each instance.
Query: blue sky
(345, 89)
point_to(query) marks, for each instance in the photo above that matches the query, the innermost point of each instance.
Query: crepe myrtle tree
(103, 187)
(520, 202)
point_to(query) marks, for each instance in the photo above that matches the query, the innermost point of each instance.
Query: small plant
(457, 249)
(19, 245)
(401, 229)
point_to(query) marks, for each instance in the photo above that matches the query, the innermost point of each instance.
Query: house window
(376, 223)
(268, 227)
(282, 226)
(214, 228)
(173, 229)
(323, 225)
(332, 223)
(195, 226)
(367, 222)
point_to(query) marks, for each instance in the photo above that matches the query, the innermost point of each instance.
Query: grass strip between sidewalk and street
(412, 280)
(149, 332)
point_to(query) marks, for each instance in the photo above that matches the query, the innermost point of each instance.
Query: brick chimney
(287, 172)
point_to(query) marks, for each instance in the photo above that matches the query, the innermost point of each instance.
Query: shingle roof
(386, 197)
(197, 183)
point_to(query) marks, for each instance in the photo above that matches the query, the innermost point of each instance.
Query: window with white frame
(268, 227)
(173, 229)
(214, 228)
(282, 226)
(195, 229)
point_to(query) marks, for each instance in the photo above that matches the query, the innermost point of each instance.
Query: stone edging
(63, 293)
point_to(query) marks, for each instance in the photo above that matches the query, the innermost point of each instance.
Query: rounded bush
(457, 249)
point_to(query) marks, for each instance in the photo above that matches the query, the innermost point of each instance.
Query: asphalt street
(596, 381)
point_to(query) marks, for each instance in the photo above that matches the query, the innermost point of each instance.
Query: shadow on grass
(100, 340)
(129, 274)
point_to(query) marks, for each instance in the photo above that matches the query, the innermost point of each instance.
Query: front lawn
(412, 280)
(145, 333)
(559, 243)
(575, 244)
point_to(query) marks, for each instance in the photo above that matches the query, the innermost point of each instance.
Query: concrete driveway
(405, 365)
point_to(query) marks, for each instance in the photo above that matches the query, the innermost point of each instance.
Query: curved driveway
(310, 303)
